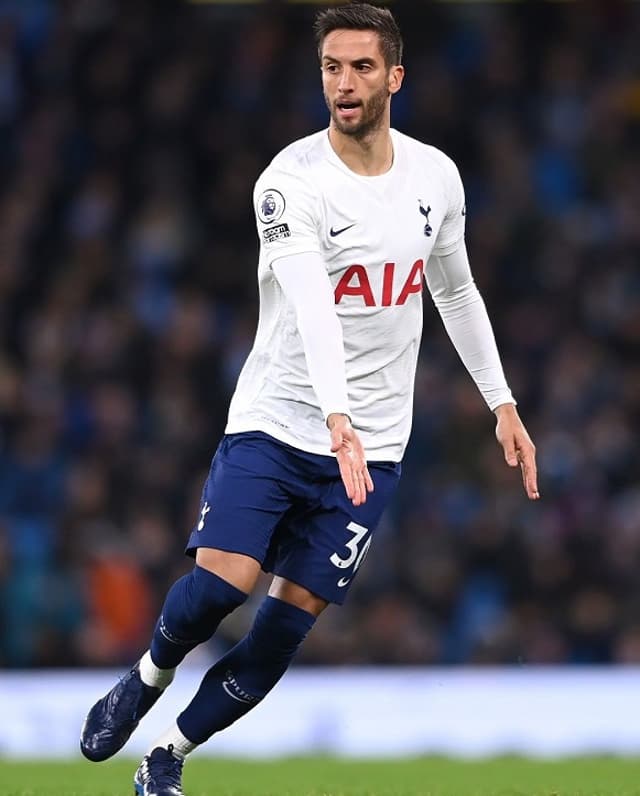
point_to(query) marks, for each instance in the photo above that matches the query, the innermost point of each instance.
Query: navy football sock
(246, 674)
(193, 608)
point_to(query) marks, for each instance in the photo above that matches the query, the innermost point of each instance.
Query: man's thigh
(322, 548)
(243, 497)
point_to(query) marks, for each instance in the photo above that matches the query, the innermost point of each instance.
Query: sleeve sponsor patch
(270, 206)
(271, 234)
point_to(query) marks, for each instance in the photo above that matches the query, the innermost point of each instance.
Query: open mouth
(347, 108)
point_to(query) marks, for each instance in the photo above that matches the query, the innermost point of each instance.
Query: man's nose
(345, 84)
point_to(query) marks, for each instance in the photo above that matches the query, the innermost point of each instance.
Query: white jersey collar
(379, 178)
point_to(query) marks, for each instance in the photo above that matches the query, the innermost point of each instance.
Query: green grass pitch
(330, 777)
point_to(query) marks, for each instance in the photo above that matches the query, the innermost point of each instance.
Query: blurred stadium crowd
(130, 137)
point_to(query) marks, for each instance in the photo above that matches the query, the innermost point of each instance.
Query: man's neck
(370, 156)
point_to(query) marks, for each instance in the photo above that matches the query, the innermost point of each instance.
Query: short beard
(372, 115)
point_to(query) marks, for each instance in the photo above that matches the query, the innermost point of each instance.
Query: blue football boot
(113, 718)
(159, 774)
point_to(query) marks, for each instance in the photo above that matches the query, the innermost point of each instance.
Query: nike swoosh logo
(333, 232)
(343, 582)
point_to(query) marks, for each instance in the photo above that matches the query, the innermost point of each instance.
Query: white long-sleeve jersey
(377, 238)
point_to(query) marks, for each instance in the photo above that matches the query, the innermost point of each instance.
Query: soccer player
(352, 220)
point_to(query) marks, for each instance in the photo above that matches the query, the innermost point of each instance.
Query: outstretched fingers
(527, 460)
(518, 448)
(352, 464)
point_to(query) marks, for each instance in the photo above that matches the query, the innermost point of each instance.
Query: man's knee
(195, 605)
(193, 608)
(237, 569)
(294, 594)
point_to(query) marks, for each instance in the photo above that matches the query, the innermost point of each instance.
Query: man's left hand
(518, 447)
(345, 443)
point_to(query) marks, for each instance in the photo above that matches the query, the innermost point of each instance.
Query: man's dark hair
(362, 16)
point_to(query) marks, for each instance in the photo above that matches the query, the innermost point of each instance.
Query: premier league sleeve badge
(270, 206)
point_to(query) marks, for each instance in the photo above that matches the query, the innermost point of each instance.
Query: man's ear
(396, 76)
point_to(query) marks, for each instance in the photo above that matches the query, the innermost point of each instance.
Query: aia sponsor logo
(356, 282)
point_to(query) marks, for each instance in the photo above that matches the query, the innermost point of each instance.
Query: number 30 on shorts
(356, 553)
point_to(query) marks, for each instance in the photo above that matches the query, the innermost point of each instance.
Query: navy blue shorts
(289, 510)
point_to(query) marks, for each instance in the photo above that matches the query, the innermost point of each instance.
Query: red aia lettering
(387, 283)
(413, 283)
(357, 274)
(362, 288)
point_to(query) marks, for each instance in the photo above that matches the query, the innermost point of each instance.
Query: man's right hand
(345, 443)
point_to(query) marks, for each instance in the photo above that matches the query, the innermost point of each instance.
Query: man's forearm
(465, 318)
(306, 285)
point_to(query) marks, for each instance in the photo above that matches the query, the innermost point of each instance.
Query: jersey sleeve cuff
(504, 397)
(336, 409)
